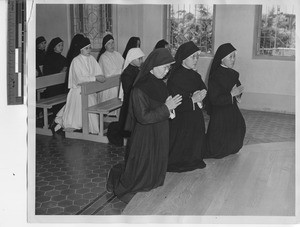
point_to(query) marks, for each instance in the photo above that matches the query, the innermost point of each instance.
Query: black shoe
(52, 127)
(78, 130)
(60, 132)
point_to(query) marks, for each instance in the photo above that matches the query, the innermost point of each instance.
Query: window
(275, 37)
(93, 20)
(191, 22)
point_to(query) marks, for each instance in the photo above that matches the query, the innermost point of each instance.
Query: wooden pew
(41, 84)
(103, 109)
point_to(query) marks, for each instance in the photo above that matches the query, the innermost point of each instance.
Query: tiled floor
(71, 174)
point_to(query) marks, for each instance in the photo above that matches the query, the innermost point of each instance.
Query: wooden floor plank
(260, 181)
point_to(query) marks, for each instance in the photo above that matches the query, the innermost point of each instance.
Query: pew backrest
(88, 88)
(50, 80)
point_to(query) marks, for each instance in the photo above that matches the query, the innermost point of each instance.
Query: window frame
(113, 23)
(256, 39)
(166, 31)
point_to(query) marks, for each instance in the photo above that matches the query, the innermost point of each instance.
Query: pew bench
(47, 103)
(102, 109)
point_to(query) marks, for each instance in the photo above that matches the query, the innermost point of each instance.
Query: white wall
(144, 21)
(152, 26)
(128, 14)
(269, 84)
(53, 20)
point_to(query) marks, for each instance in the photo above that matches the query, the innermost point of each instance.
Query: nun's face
(86, 51)
(191, 61)
(229, 60)
(160, 71)
(59, 47)
(137, 62)
(42, 45)
(110, 45)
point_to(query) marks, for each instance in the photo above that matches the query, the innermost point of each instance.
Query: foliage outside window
(191, 22)
(276, 31)
(93, 20)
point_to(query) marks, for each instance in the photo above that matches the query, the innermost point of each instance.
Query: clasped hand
(173, 102)
(100, 78)
(235, 91)
(198, 95)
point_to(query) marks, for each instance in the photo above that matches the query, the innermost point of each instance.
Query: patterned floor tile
(71, 174)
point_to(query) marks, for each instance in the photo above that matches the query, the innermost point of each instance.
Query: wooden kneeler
(46, 104)
(103, 109)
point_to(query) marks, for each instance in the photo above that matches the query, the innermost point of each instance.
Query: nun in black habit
(226, 128)
(55, 62)
(161, 44)
(149, 110)
(116, 130)
(40, 53)
(187, 130)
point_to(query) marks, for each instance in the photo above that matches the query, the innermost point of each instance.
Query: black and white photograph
(143, 112)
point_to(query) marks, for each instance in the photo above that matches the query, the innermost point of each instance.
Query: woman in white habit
(111, 62)
(84, 68)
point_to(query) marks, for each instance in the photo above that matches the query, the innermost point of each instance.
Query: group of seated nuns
(161, 117)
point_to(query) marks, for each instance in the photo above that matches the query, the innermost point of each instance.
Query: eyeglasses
(195, 56)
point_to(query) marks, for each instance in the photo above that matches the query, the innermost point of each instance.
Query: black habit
(149, 144)
(116, 130)
(227, 128)
(54, 63)
(40, 59)
(146, 165)
(187, 129)
(128, 77)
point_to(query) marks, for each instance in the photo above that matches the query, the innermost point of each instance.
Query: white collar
(224, 66)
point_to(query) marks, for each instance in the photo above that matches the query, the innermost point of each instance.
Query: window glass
(93, 20)
(191, 22)
(276, 31)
